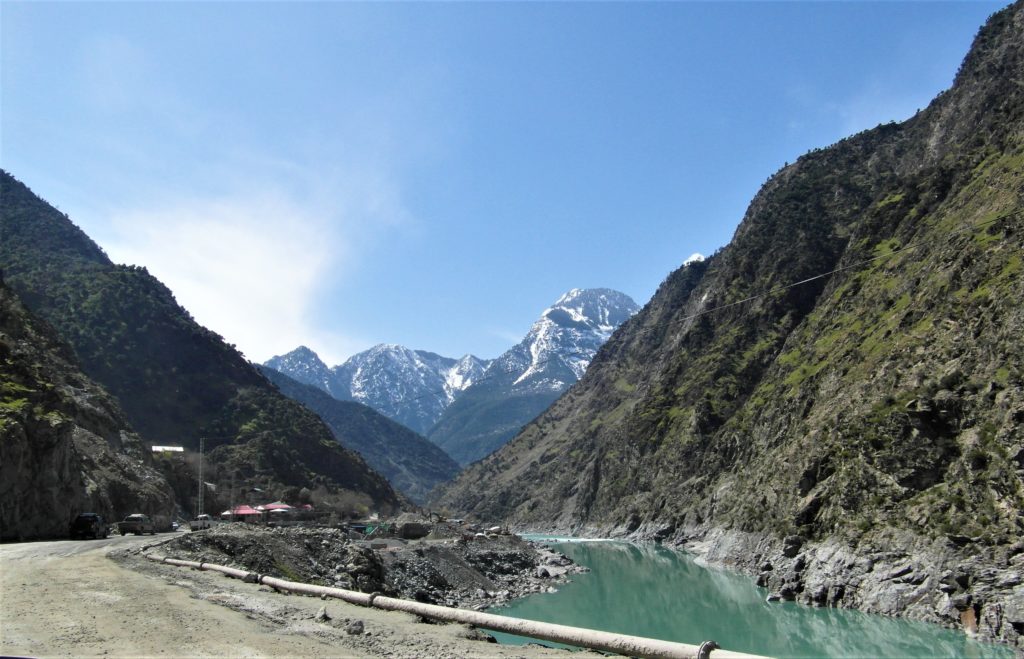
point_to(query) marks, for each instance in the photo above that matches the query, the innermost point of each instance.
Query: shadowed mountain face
(412, 464)
(65, 445)
(175, 380)
(878, 407)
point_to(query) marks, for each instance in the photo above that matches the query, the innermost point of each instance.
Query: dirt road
(68, 598)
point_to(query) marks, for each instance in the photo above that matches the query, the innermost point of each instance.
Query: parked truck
(137, 524)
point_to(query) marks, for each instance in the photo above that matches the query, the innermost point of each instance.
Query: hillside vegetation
(176, 381)
(842, 384)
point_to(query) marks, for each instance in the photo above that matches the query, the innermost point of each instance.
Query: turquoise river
(655, 592)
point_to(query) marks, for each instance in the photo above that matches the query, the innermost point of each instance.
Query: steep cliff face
(65, 445)
(176, 381)
(844, 379)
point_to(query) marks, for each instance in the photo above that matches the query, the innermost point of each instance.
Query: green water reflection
(652, 591)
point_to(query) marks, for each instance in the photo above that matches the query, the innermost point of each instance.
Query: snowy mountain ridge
(304, 365)
(568, 334)
(521, 383)
(412, 387)
(416, 387)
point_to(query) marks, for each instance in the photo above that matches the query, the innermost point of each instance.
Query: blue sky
(436, 174)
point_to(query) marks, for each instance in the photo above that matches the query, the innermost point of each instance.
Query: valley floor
(68, 598)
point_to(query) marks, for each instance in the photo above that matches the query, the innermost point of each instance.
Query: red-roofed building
(277, 505)
(242, 513)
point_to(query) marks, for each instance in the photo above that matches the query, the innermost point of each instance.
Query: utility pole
(202, 445)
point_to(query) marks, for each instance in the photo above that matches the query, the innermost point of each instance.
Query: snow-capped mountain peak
(568, 334)
(304, 365)
(523, 381)
(412, 387)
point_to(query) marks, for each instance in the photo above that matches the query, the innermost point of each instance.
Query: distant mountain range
(525, 380)
(411, 463)
(471, 406)
(175, 382)
(412, 387)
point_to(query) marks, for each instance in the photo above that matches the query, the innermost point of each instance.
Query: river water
(655, 592)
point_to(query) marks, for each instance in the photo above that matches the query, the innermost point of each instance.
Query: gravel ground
(68, 599)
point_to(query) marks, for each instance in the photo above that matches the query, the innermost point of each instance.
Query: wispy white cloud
(249, 267)
(248, 219)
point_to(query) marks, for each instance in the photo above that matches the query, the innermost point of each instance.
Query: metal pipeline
(633, 646)
(244, 575)
(350, 596)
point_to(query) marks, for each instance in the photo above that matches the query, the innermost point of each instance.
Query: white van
(199, 523)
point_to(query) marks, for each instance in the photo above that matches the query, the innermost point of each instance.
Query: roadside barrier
(632, 646)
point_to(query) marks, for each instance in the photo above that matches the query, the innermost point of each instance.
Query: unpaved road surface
(69, 599)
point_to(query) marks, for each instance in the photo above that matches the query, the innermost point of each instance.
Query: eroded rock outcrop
(65, 446)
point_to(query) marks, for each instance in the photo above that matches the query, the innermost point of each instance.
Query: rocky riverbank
(977, 590)
(477, 573)
(953, 581)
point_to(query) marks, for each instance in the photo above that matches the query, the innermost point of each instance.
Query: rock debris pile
(477, 573)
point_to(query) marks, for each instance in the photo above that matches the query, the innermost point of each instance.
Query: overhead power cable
(856, 264)
(774, 290)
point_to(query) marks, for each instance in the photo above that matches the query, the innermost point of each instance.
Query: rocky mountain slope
(412, 465)
(176, 381)
(413, 387)
(305, 366)
(833, 401)
(525, 380)
(65, 445)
